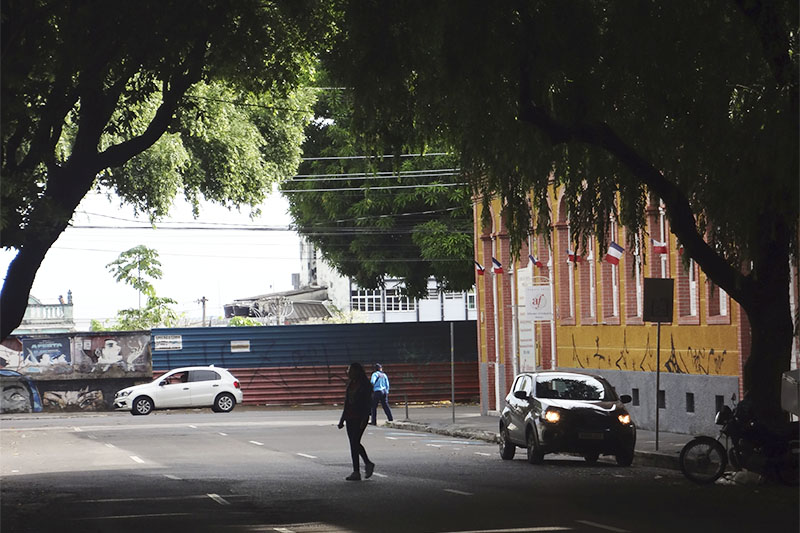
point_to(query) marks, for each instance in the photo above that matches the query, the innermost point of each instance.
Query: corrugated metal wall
(292, 365)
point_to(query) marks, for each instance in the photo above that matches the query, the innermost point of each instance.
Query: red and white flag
(479, 268)
(659, 247)
(614, 253)
(572, 257)
(535, 261)
(497, 268)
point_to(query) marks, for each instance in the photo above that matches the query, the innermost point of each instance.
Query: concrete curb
(641, 457)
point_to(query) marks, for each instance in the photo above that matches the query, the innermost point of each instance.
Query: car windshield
(573, 388)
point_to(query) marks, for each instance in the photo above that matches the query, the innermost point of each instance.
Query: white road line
(518, 530)
(256, 443)
(192, 426)
(434, 445)
(219, 499)
(307, 456)
(602, 526)
(122, 517)
(379, 475)
(93, 437)
(283, 530)
(391, 438)
(223, 434)
(459, 492)
(108, 444)
(77, 429)
(483, 454)
(137, 459)
(170, 476)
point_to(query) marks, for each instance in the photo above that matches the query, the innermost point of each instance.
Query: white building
(382, 305)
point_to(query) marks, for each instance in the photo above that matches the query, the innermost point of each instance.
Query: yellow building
(598, 326)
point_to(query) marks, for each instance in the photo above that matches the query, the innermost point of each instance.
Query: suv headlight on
(624, 419)
(552, 416)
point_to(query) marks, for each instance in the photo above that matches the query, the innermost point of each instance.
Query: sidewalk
(470, 424)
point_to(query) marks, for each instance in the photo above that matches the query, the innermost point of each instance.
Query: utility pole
(203, 301)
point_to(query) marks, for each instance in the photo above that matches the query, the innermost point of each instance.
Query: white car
(191, 386)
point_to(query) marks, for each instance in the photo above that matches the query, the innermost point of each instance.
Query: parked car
(566, 412)
(193, 386)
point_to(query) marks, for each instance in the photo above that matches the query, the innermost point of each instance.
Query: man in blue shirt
(380, 393)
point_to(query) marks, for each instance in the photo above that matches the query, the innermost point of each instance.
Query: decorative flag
(535, 261)
(479, 268)
(497, 268)
(614, 253)
(659, 247)
(572, 257)
(680, 250)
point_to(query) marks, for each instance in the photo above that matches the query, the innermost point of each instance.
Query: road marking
(434, 445)
(256, 443)
(601, 526)
(192, 426)
(483, 454)
(137, 459)
(219, 499)
(391, 438)
(307, 456)
(283, 530)
(379, 475)
(108, 444)
(517, 530)
(170, 476)
(77, 429)
(122, 517)
(93, 437)
(158, 498)
(459, 492)
(223, 434)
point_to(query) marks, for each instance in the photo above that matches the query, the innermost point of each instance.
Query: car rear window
(203, 375)
(573, 388)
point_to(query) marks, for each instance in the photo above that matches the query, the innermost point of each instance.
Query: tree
(401, 217)
(146, 98)
(136, 267)
(693, 102)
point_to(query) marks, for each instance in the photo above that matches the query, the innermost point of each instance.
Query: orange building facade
(597, 320)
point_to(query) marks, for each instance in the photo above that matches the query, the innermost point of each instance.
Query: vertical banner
(538, 305)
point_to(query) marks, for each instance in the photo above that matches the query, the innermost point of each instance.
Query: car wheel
(224, 403)
(591, 457)
(535, 455)
(142, 406)
(507, 448)
(625, 458)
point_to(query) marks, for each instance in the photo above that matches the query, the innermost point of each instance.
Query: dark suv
(567, 412)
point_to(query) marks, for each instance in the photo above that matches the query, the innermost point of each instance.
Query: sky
(228, 256)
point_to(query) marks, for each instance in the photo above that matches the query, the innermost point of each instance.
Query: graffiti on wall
(688, 360)
(83, 399)
(104, 353)
(18, 393)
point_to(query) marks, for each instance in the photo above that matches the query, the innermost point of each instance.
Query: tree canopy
(376, 217)
(148, 99)
(695, 103)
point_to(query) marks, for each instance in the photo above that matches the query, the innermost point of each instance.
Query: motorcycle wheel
(703, 460)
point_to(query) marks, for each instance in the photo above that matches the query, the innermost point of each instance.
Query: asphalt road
(270, 470)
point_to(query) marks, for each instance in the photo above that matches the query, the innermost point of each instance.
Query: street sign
(658, 299)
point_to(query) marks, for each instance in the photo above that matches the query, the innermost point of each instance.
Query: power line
(332, 158)
(388, 187)
(378, 175)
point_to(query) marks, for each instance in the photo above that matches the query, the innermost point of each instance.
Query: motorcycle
(748, 444)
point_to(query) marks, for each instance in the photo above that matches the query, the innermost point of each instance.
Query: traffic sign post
(658, 301)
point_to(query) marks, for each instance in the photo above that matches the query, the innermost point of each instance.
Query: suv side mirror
(521, 394)
(162, 382)
(625, 398)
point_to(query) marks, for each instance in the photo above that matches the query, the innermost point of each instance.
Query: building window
(662, 399)
(634, 290)
(689, 402)
(687, 290)
(365, 300)
(452, 295)
(635, 397)
(719, 403)
(471, 301)
(397, 301)
(662, 227)
(433, 293)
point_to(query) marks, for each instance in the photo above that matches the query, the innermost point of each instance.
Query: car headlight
(624, 419)
(122, 394)
(552, 416)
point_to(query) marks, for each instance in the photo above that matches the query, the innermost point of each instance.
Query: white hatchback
(192, 386)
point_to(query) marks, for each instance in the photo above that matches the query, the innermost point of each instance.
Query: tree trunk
(49, 218)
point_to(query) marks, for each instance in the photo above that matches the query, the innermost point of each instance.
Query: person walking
(380, 393)
(356, 416)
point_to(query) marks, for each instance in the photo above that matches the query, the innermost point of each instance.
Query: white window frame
(662, 223)
(592, 283)
(692, 277)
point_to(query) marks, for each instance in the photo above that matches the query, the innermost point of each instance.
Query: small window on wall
(689, 402)
(719, 403)
(662, 399)
(470, 300)
(635, 397)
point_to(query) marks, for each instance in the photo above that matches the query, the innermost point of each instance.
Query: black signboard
(658, 298)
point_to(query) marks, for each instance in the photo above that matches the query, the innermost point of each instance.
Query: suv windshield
(573, 388)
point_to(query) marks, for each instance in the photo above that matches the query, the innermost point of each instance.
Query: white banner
(167, 342)
(538, 305)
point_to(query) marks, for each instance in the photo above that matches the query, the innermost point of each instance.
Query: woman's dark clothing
(357, 406)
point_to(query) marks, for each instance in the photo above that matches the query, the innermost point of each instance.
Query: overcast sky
(230, 257)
